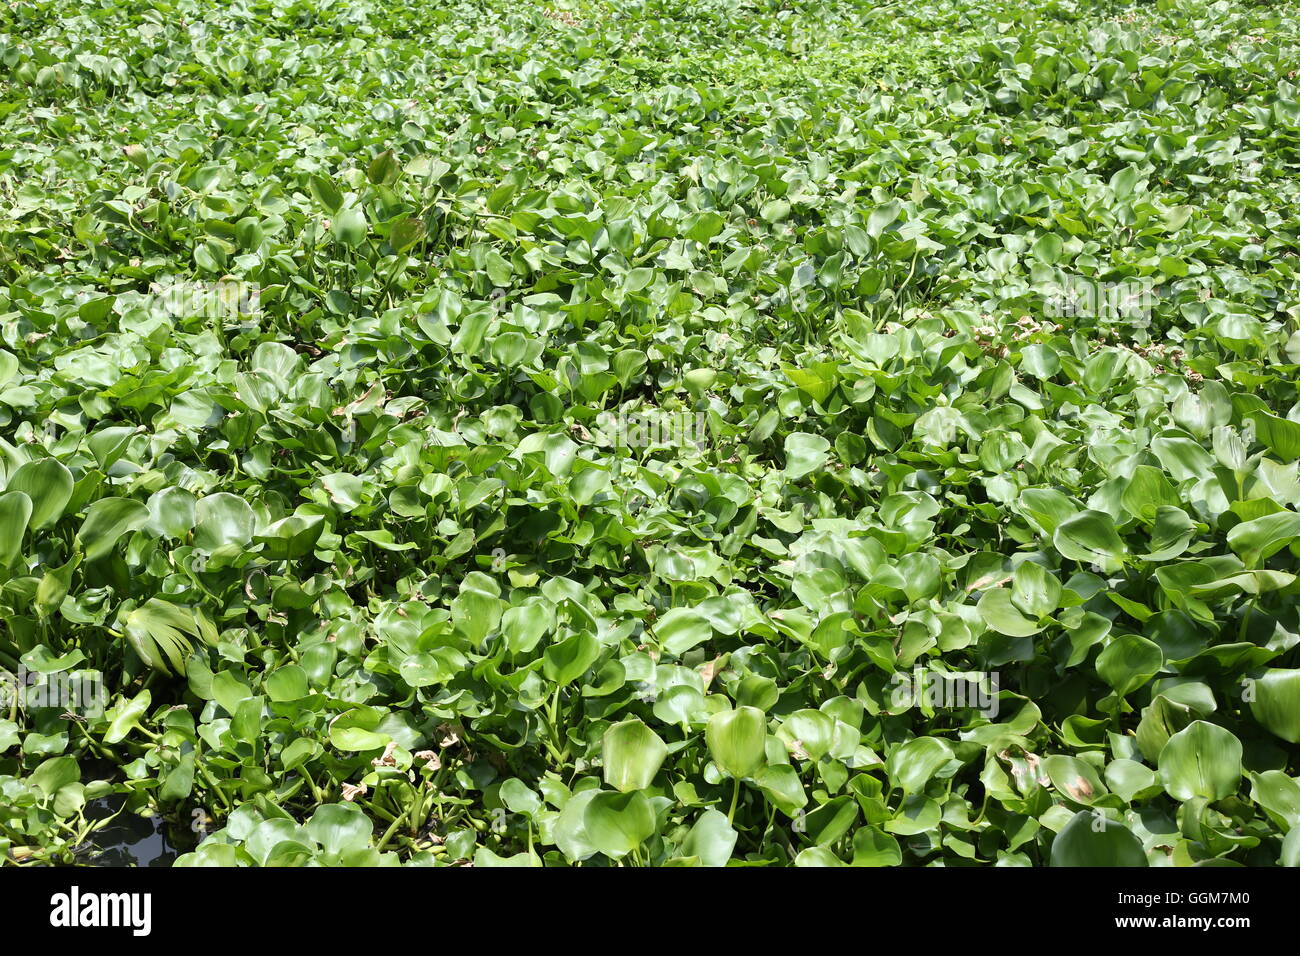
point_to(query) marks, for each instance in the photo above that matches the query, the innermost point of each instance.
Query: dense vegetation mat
(677, 432)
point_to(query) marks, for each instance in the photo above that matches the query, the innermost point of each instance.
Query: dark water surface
(130, 840)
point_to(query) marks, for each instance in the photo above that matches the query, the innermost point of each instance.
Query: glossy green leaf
(631, 754)
(737, 740)
(1201, 760)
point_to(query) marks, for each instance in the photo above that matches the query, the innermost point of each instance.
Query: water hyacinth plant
(663, 433)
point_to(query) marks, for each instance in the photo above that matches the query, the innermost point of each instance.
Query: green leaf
(1090, 839)
(631, 754)
(737, 740)
(1090, 538)
(568, 660)
(288, 682)
(1201, 760)
(1074, 779)
(340, 828)
(357, 738)
(106, 521)
(288, 538)
(1128, 662)
(157, 631)
(1263, 537)
(703, 226)
(618, 823)
(55, 774)
(782, 787)
(1147, 490)
(1047, 248)
(1276, 703)
(681, 629)
(911, 765)
(49, 486)
(15, 513)
(326, 193)
(1000, 614)
(383, 169)
(1035, 590)
(805, 454)
(819, 380)
(873, 847)
(406, 233)
(222, 519)
(350, 227)
(125, 715)
(1280, 435)
(712, 839)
